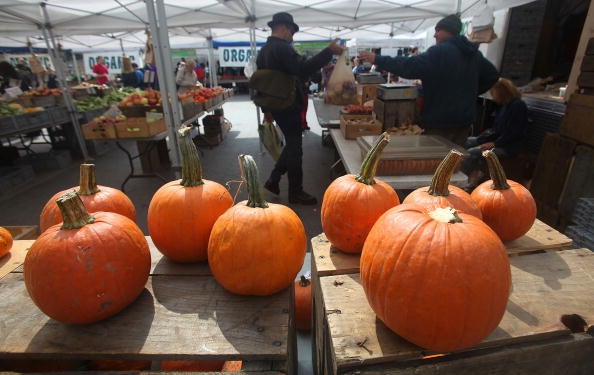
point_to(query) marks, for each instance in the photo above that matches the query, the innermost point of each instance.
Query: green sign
(177, 54)
(301, 47)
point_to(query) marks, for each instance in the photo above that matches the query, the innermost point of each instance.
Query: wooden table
(350, 156)
(182, 314)
(349, 339)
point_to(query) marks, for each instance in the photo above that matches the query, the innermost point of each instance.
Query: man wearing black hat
(453, 73)
(278, 54)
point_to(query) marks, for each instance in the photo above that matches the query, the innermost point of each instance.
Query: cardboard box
(396, 91)
(366, 92)
(99, 131)
(139, 128)
(353, 126)
(395, 112)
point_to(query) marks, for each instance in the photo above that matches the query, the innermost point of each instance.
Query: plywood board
(545, 286)
(186, 317)
(15, 257)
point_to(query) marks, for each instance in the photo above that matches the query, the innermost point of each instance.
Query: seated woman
(507, 136)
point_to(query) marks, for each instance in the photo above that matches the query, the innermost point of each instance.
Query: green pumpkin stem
(249, 173)
(88, 180)
(496, 171)
(73, 211)
(369, 165)
(443, 174)
(191, 166)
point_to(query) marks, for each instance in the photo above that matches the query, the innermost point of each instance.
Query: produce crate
(409, 155)
(139, 110)
(59, 115)
(353, 126)
(395, 112)
(33, 120)
(89, 115)
(139, 128)
(366, 92)
(182, 314)
(43, 101)
(191, 109)
(8, 125)
(350, 339)
(99, 131)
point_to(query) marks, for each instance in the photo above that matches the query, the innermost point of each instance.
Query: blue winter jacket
(453, 74)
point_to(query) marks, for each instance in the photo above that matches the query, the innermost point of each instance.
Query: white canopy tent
(114, 24)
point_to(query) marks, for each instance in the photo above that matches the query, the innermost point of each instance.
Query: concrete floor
(22, 205)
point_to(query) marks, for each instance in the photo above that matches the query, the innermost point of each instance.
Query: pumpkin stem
(443, 174)
(191, 166)
(73, 211)
(445, 215)
(369, 165)
(88, 180)
(304, 281)
(249, 173)
(496, 171)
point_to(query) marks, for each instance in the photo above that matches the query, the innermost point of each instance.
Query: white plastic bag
(251, 67)
(341, 88)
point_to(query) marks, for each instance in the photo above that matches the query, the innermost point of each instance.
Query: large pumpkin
(440, 193)
(507, 206)
(5, 241)
(352, 204)
(256, 247)
(182, 212)
(95, 198)
(439, 278)
(90, 267)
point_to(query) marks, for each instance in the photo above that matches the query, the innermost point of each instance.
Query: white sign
(43, 58)
(113, 60)
(234, 56)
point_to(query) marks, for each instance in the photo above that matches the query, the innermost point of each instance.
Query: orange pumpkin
(352, 204)
(88, 269)
(441, 280)
(256, 247)
(440, 193)
(182, 212)
(507, 206)
(303, 304)
(95, 198)
(5, 241)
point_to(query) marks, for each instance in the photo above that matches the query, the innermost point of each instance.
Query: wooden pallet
(530, 338)
(182, 314)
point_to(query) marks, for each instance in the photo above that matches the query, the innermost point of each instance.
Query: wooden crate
(183, 314)
(577, 122)
(99, 131)
(366, 92)
(365, 125)
(138, 127)
(395, 112)
(530, 338)
(328, 261)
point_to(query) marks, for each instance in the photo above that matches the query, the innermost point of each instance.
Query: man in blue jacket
(453, 73)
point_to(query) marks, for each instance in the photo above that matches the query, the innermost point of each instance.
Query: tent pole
(172, 107)
(75, 65)
(212, 77)
(60, 69)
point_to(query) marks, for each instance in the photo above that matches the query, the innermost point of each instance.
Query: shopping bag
(341, 89)
(272, 138)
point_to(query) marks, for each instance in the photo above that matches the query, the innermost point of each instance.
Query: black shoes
(272, 187)
(302, 198)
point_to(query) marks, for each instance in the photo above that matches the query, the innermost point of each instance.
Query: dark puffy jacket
(278, 54)
(453, 74)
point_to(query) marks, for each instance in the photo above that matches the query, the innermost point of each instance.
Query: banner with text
(44, 58)
(234, 56)
(113, 60)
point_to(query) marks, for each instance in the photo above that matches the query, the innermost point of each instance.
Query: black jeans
(291, 158)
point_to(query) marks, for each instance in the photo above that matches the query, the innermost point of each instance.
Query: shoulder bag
(274, 91)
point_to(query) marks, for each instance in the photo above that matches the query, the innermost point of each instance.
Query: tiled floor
(21, 206)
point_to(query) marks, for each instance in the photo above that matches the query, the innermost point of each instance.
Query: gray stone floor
(22, 205)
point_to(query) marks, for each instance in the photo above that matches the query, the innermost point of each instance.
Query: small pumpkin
(256, 247)
(441, 281)
(5, 241)
(182, 212)
(440, 193)
(352, 204)
(507, 206)
(303, 304)
(89, 268)
(95, 198)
